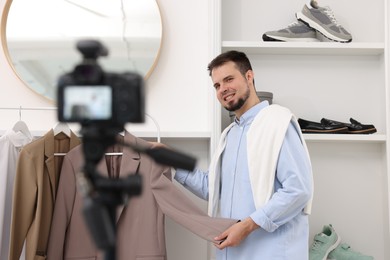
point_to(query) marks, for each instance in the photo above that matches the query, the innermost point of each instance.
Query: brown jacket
(34, 195)
(140, 223)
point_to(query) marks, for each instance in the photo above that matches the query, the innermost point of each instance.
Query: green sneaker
(344, 252)
(324, 243)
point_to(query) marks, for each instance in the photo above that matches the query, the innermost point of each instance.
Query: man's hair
(239, 58)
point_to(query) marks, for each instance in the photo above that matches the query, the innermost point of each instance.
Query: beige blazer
(34, 193)
(140, 222)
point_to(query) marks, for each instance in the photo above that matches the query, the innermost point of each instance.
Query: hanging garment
(10, 145)
(140, 223)
(34, 195)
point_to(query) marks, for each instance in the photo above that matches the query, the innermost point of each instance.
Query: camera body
(92, 97)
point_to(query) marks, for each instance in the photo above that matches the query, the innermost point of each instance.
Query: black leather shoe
(354, 127)
(309, 127)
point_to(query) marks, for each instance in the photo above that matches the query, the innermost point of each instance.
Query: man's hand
(158, 145)
(234, 235)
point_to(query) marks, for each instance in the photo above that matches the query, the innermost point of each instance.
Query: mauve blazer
(34, 193)
(140, 223)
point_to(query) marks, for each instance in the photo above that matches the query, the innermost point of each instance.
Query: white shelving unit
(377, 138)
(331, 80)
(296, 48)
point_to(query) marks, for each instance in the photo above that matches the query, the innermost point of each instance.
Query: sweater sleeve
(182, 210)
(293, 187)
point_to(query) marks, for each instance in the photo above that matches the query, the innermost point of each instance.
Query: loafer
(310, 127)
(355, 127)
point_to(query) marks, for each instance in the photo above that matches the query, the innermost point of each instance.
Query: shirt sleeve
(293, 186)
(24, 203)
(196, 182)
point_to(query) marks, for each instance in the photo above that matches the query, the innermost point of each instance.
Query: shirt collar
(18, 139)
(249, 115)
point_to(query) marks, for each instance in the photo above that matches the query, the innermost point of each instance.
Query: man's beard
(239, 103)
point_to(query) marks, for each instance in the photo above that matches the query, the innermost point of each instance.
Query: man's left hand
(235, 234)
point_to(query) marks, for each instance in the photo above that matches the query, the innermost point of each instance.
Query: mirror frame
(4, 44)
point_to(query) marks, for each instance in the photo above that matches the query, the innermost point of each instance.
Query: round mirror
(39, 37)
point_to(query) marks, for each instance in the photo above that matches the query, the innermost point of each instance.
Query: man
(260, 174)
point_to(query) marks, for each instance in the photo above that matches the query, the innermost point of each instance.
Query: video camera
(90, 96)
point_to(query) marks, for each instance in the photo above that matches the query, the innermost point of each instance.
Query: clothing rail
(20, 108)
(28, 108)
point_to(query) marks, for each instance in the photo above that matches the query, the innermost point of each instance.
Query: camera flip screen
(87, 103)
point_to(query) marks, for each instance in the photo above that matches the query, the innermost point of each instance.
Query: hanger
(61, 128)
(123, 133)
(21, 126)
(116, 153)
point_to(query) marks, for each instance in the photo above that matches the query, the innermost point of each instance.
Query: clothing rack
(20, 108)
(29, 108)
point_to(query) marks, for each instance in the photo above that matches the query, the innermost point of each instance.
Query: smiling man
(261, 171)
(234, 84)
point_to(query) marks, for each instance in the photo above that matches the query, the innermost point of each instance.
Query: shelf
(374, 138)
(140, 134)
(174, 135)
(307, 48)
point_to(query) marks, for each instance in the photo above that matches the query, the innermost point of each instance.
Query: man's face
(232, 88)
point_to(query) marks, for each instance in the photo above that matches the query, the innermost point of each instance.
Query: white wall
(177, 92)
(177, 96)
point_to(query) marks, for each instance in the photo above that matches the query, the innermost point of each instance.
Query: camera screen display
(87, 103)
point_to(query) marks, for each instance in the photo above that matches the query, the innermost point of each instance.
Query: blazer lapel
(49, 161)
(49, 158)
(74, 140)
(129, 164)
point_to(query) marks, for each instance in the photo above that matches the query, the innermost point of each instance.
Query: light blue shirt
(284, 228)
